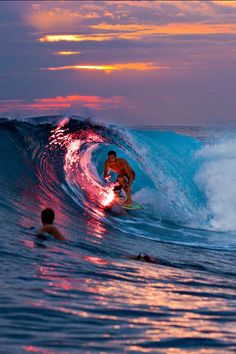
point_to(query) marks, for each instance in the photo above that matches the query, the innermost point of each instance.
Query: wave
(216, 178)
(58, 161)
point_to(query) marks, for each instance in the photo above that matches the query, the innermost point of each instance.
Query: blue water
(89, 294)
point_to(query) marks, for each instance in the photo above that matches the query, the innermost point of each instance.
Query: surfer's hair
(47, 216)
(112, 153)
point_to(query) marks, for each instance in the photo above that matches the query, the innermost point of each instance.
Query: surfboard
(133, 206)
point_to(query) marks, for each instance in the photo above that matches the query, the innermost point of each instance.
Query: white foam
(217, 179)
(162, 205)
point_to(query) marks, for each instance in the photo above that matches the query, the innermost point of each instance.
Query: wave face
(185, 181)
(180, 179)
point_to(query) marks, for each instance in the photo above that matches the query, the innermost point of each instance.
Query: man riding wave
(125, 173)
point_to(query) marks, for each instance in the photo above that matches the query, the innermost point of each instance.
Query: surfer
(125, 173)
(47, 218)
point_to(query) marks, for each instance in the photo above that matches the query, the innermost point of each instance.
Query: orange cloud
(142, 31)
(48, 20)
(61, 102)
(75, 38)
(230, 3)
(137, 31)
(47, 16)
(67, 53)
(111, 68)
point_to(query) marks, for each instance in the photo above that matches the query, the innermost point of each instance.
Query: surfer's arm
(106, 170)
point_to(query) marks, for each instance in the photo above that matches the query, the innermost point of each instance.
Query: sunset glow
(75, 38)
(122, 60)
(60, 102)
(78, 167)
(138, 32)
(111, 68)
(67, 53)
(141, 30)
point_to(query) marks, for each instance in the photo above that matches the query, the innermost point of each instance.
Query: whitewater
(91, 294)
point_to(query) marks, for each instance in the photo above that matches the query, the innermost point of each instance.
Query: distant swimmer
(144, 257)
(47, 218)
(125, 173)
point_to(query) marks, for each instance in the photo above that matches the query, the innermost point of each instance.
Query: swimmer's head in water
(144, 257)
(111, 156)
(47, 216)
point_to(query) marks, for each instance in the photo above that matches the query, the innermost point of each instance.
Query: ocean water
(90, 294)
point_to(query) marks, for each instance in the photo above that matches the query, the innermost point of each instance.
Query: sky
(120, 62)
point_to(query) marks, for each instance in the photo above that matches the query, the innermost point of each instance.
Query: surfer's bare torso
(120, 166)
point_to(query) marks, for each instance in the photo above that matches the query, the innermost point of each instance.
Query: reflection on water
(34, 349)
(132, 305)
(95, 228)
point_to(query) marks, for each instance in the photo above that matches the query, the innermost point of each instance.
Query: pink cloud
(61, 102)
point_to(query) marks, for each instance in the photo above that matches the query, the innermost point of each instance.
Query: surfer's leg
(128, 189)
(123, 182)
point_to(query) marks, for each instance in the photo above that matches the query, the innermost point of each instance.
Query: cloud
(56, 18)
(67, 53)
(78, 16)
(61, 102)
(75, 38)
(137, 32)
(224, 3)
(110, 68)
(194, 40)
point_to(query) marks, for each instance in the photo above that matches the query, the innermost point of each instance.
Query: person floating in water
(125, 173)
(144, 257)
(47, 218)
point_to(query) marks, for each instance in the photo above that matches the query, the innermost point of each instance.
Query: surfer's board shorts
(118, 187)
